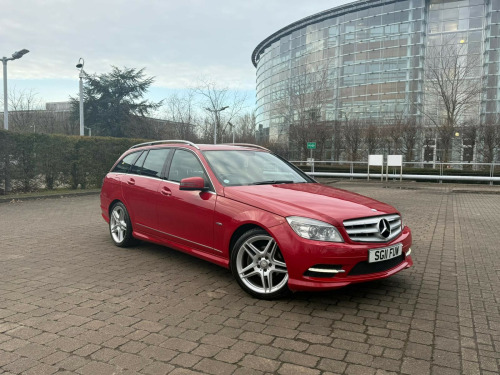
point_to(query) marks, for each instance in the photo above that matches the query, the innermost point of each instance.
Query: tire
(258, 265)
(120, 227)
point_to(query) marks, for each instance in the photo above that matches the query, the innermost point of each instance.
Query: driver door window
(185, 164)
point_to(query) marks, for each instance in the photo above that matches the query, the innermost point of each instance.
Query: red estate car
(244, 208)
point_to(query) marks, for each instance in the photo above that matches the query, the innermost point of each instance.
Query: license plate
(385, 253)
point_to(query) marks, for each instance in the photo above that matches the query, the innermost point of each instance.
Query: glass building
(371, 59)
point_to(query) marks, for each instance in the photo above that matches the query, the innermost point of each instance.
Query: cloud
(176, 41)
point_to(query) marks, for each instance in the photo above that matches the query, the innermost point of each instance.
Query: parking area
(72, 302)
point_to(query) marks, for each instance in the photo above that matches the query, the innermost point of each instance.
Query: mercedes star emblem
(384, 228)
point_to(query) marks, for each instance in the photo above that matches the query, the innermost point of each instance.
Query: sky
(176, 41)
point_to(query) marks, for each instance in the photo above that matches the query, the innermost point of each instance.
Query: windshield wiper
(273, 182)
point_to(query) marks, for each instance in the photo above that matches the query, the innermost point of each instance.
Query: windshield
(237, 167)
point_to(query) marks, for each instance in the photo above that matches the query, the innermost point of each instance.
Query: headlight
(314, 229)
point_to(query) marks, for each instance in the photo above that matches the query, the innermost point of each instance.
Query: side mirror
(193, 183)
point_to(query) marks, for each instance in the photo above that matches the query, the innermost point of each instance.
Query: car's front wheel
(120, 227)
(258, 265)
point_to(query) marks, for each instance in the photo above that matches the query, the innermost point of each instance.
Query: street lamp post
(80, 64)
(232, 127)
(217, 119)
(15, 56)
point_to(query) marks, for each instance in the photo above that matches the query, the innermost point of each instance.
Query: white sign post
(310, 161)
(394, 161)
(377, 161)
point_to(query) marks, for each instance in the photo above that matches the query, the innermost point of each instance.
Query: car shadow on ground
(168, 259)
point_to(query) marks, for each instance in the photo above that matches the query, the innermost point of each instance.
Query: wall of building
(368, 60)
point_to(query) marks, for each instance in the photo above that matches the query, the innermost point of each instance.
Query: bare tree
(180, 110)
(411, 133)
(489, 138)
(404, 133)
(213, 99)
(302, 111)
(244, 128)
(352, 134)
(336, 140)
(452, 88)
(371, 135)
(279, 148)
(26, 110)
(386, 140)
(395, 133)
(28, 113)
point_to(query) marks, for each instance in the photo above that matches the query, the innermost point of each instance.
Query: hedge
(42, 161)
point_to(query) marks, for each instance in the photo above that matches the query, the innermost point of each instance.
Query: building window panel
(474, 48)
(450, 26)
(377, 32)
(374, 21)
(476, 11)
(463, 13)
(346, 92)
(494, 55)
(463, 24)
(450, 14)
(361, 56)
(374, 55)
(434, 16)
(402, 5)
(388, 8)
(475, 36)
(434, 28)
(348, 58)
(388, 18)
(475, 23)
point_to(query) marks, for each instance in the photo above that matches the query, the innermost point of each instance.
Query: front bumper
(348, 259)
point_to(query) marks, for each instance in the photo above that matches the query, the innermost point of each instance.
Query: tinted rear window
(153, 165)
(123, 165)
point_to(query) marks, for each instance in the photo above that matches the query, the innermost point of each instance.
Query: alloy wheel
(118, 224)
(260, 265)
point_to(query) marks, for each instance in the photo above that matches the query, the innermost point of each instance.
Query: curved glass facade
(368, 60)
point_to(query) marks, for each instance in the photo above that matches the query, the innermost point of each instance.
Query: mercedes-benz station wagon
(247, 209)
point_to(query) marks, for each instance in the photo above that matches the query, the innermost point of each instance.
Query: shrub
(32, 161)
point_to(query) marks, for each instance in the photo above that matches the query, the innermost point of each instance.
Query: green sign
(311, 145)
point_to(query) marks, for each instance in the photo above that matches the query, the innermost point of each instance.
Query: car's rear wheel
(120, 227)
(258, 265)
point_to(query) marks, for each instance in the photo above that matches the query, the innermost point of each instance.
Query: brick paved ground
(71, 302)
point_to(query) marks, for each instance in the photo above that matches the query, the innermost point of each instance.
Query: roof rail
(248, 145)
(165, 141)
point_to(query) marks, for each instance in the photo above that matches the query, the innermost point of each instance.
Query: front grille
(368, 229)
(365, 268)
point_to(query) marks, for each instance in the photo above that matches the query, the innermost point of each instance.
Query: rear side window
(137, 167)
(123, 165)
(155, 160)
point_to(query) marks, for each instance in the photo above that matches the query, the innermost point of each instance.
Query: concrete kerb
(34, 196)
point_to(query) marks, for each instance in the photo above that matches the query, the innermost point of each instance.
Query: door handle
(131, 181)
(166, 191)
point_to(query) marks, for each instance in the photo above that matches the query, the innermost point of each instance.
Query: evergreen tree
(114, 101)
